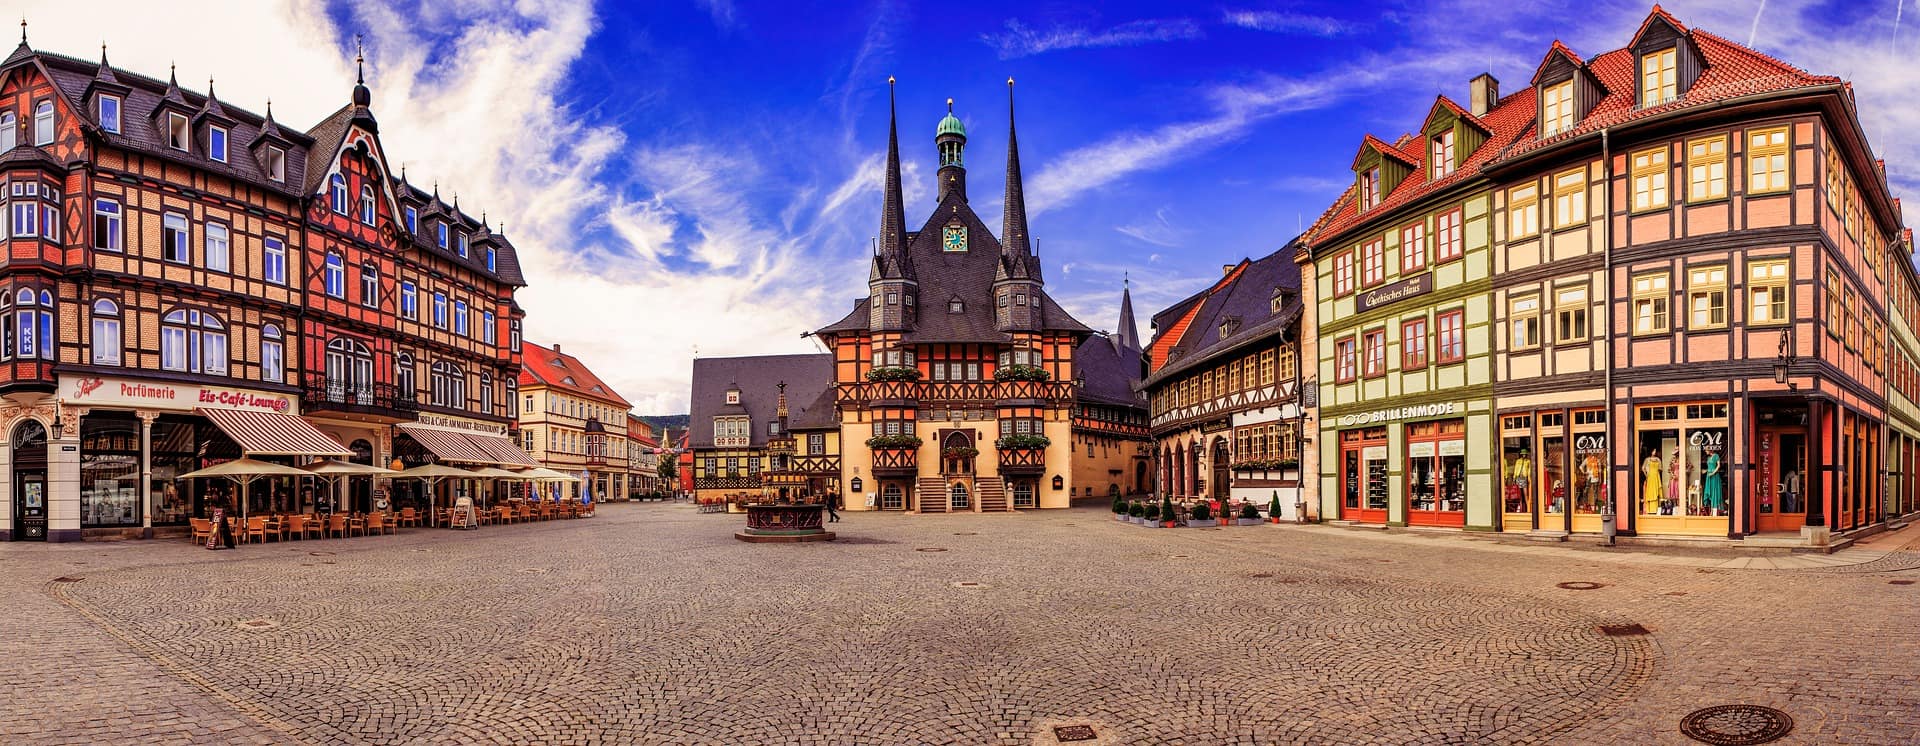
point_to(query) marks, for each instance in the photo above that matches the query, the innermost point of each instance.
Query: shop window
(1707, 169)
(1516, 466)
(1343, 273)
(1413, 344)
(1650, 179)
(1523, 212)
(1413, 247)
(1767, 287)
(1707, 297)
(1570, 198)
(174, 452)
(1374, 345)
(1767, 151)
(1450, 332)
(1589, 468)
(1523, 323)
(1373, 263)
(1682, 469)
(1553, 470)
(1650, 303)
(1570, 316)
(106, 340)
(1448, 243)
(1436, 471)
(1344, 360)
(109, 471)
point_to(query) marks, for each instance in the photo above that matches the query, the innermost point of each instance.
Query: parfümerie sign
(1394, 414)
(1402, 290)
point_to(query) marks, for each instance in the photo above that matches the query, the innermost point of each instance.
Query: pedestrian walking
(833, 505)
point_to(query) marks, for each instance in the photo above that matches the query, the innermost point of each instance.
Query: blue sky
(706, 172)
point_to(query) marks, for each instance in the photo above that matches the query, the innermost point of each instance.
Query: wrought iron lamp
(1783, 364)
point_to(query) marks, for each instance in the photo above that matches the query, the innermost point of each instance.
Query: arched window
(891, 497)
(34, 323)
(43, 123)
(9, 132)
(957, 496)
(349, 371)
(193, 341)
(366, 205)
(403, 375)
(449, 385)
(335, 276)
(1023, 494)
(106, 333)
(337, 194)
(273, 355)
(486, 393)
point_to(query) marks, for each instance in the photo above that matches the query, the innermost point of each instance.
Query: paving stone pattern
(651, 624)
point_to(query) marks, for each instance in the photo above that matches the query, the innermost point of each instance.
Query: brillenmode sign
(1399, 291)
(1390, 414)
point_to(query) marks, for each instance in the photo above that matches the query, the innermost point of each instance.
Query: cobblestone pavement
(651, 624)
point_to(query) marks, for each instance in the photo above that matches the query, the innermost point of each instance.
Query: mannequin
(1712, 491)
(1674, 491)
(1652, 494)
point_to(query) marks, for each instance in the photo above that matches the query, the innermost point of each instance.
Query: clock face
(955, 238)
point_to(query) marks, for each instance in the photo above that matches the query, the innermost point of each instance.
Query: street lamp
(1784, 361)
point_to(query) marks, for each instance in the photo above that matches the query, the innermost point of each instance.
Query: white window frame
(273, 351)
(43, 123)
(275, 265)
(108, 215)
(106, 342)
(109, 122)
(1556, 108)
(217, 143)
(179, 132)
(368, 211)
(277, 163)
(333, 276)
(180, 249)
(216, 246)
(409, 301)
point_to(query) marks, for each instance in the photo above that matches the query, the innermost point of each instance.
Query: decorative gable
(1666, 62)
(1377, 169)
(1567, 91)
(1450, 136)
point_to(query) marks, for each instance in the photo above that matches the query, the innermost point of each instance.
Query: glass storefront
(109, 471)
(1681, 468)
(1436, 473)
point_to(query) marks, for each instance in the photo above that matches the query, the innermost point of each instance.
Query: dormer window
(1370, 188)
(109, 107)
(492, 259)
(733, 396)
(1279, 299)
(956, 306)
(178, 131)
(1658, 81)
(337, 194)
(1228, 326)
(1442, 157)
(442, 237)
(1556, 109)
(277, 163)
(413, 219)
(217, 143)
(463, 245)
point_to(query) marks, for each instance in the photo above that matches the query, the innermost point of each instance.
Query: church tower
(1016, 283)
(892, 289)
(951, 140)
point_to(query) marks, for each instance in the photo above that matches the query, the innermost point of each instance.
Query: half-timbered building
(1224, 388)
(1112, 452)
(171, 300)
(763, 426)
(573, 422)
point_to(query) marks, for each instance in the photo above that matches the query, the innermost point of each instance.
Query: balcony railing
(857, 394)
(1023, 460)
(321, 394)
(895, 460)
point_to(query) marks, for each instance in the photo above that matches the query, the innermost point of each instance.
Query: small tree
(1167, 514)
(1134, 511)
(1249, 512)
(667, 469)
(1202, 511)
(1273, 508)
(1119, 505)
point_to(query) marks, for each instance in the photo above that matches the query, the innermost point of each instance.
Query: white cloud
(722, 11)
(1159, 231)
(1279, 22)
(1018, 40)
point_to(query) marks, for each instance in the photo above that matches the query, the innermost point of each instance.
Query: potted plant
(1273, 508)
(1249, 515)
(1202, 516)
(961, 452)
(1168, 517)
(893, 442)
(1133, 513)
(893, 373)
(1022, 442)
(1020, 373)
(1119, 508)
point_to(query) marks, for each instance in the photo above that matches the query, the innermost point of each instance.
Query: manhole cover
(1261, 575)
(1066, 733)
(1180, 556)
(322, 554)
(970, 584)
(1890, 582)
(930, 549)
(1623, 630)
(966, 533)
(67, 579)
(1580, 585)
(258, 624)
(1736, 725)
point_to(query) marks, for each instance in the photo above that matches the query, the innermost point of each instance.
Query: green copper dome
(951, 124)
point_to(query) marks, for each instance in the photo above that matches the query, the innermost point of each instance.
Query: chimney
(1226, 269)
(556, 349)
(1485, 93)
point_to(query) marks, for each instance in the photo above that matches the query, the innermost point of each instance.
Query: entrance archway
(957, 498)
(360, 491)
(30, 481)
(1219, 489)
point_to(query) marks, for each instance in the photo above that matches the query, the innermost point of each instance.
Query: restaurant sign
(1390, 414)
(1399, 291)
(456, 423)
(106, 391)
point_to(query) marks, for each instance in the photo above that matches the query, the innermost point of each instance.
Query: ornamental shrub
(1167, 514)
(1202, 511)
(1273, 508)
(1119, 505)
(1011, 442)
(1134, 510)
(1249, 512)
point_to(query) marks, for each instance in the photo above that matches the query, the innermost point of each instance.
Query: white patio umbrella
(495, 473)
(431, 474)
(333, 470)
(243, 471)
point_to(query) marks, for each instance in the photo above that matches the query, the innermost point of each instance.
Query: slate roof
(1247, 298)
(545, 366)
(819, 414)
(758, 377)
(1112, 372)
(1731, 71)
(307, 152)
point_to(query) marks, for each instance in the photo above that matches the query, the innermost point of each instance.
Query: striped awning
(272, 433)
(503, 450)
(447, 445)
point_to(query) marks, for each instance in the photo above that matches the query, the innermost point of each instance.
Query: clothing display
(1711, 492)
(1652, 494)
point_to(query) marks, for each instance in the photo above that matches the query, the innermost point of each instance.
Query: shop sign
(1216, 426)
(1708, 441)
(99, 391)
(455, 423)
(1390, 414)
(1453, 448)
(1399, 291)
(1419, 450)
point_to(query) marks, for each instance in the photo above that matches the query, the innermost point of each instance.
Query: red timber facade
(167, 257)
(956, 377)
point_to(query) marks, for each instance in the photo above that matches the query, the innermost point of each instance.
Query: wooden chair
(299, 526)
(337, 525)
(376, 525)
(256, 527)
(503, 514)
(357, 523)
(523, 513)
(409, 517)
(202, 530)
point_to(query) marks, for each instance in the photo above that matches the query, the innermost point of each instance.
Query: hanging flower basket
(893, 442)
(1018, 372)
(894, 373)
(961, 452)
(1022, 442)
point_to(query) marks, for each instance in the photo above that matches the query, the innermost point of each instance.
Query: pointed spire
(780, 409)
(1013, 232)
(1128, 335)
(103, 54)
(893, 219)
(23, 29)
(361, 96)
(105, 73)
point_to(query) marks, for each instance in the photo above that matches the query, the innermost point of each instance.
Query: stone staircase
(993, 494)
(930, 495)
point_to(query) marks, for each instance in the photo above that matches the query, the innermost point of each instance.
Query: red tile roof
(1557, 50)
(542, 366)
(1164, 344)
(1385, 149)
(1731, 71)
